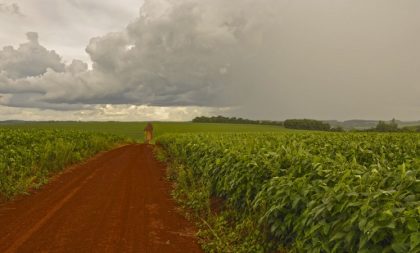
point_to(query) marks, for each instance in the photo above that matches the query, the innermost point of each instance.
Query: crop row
(28, 157)
(309, 192)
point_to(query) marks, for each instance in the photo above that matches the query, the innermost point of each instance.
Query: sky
(178, 59)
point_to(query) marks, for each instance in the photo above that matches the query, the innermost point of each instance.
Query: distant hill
(365, 124)
(408, 123)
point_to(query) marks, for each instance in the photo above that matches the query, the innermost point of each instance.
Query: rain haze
(177, 59)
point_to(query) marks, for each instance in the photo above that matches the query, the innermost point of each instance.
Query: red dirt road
(116, 202)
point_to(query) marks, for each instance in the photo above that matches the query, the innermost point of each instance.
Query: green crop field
(28, 157)
(31, 152)
(300, 192)
(135, 129)
(276, 190)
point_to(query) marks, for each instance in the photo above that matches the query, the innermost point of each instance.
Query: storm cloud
(177, 53)
(267, 59)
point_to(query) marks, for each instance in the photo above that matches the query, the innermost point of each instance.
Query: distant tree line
(310, 124)
(306, 124)
(392, 127)
(382, 126)
(234, 120)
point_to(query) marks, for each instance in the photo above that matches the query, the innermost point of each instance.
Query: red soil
(118, 201)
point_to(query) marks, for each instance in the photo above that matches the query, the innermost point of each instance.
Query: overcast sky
(177, 59)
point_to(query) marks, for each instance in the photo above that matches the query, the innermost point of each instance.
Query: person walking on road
(148, 130)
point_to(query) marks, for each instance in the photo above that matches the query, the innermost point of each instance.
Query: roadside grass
(28, 157)
(219, 229)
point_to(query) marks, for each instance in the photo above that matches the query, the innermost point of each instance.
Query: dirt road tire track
(118, 201)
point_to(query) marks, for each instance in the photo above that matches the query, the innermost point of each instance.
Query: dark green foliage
(234, 120)
(307, 124)
(337, 129)
(387, 127)
(410, 129)
(309, 192)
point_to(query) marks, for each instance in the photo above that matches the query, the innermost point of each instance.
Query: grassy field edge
(219, 230)
(31, 157)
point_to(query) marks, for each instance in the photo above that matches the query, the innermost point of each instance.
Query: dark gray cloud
(269, 59)
(177, 59)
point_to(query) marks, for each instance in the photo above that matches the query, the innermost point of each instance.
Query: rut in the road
(117, 202)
